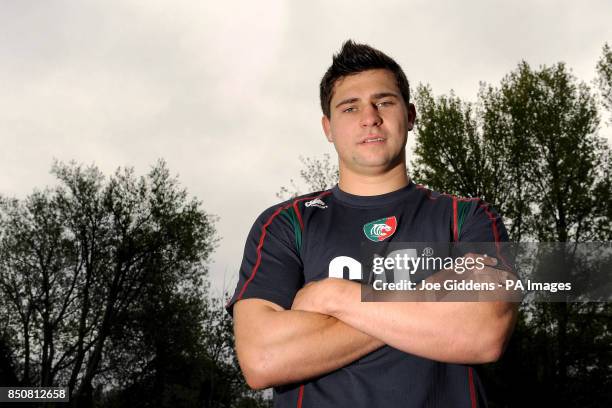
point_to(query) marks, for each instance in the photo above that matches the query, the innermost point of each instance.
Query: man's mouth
(373, 139)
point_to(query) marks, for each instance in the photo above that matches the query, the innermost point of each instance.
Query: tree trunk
(93, 362)
(78, 362)
(26, 351)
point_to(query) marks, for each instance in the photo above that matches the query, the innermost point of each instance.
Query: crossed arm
(329, 327)
(277, 346)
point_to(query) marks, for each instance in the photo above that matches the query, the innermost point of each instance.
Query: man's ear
(327, 128)
(411, 115)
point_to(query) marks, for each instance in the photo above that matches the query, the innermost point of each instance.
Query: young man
(305, 332)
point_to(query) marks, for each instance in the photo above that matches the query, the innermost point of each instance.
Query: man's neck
(373, 184)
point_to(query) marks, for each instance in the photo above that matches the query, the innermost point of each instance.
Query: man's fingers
(484, 258)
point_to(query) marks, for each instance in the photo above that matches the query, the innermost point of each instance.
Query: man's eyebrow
(378, 95)
(346, 101)
(381, 95)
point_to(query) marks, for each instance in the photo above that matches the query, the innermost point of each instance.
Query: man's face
(369, 122)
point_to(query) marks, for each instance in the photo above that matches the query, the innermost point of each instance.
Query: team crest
(380, 230)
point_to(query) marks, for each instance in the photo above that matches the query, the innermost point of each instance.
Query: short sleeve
(271, 267)
(478, 224)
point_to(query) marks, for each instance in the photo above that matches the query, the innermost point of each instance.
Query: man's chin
(381, 161)
(372, 166)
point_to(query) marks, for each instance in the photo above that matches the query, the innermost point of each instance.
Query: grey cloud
(227, 92)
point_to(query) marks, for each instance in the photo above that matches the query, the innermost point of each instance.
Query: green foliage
(449, 148)
(604, 76)
(530, 147)
(103, 288)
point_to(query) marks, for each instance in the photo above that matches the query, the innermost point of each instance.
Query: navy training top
(294, 242)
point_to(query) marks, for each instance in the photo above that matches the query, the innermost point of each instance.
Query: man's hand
(489, 274)
(454, 332)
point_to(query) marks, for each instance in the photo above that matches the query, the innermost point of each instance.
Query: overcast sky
(227, 91)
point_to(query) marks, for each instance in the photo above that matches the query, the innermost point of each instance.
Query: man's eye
(350, 109)
(384, 103)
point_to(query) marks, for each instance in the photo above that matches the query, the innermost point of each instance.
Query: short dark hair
(352, 59)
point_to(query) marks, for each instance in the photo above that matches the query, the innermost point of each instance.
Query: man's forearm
(448, 331)
(286, 346)
(454, 332)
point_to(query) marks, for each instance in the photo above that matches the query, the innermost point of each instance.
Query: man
(307, 333)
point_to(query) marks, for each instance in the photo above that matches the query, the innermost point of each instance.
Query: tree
(181, 364)
(534, 137)
(317, 175)
(531, 148)
(8, 377)
(604, 76)
(103, 289)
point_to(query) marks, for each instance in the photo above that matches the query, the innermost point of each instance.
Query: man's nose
(370, 116)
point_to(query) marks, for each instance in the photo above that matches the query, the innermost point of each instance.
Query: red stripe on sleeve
(259, 246)
(493, 220)
(297, 213)
(264, 232)
(297, 210)
(472, 388)
(455, 221)
(300, 396)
